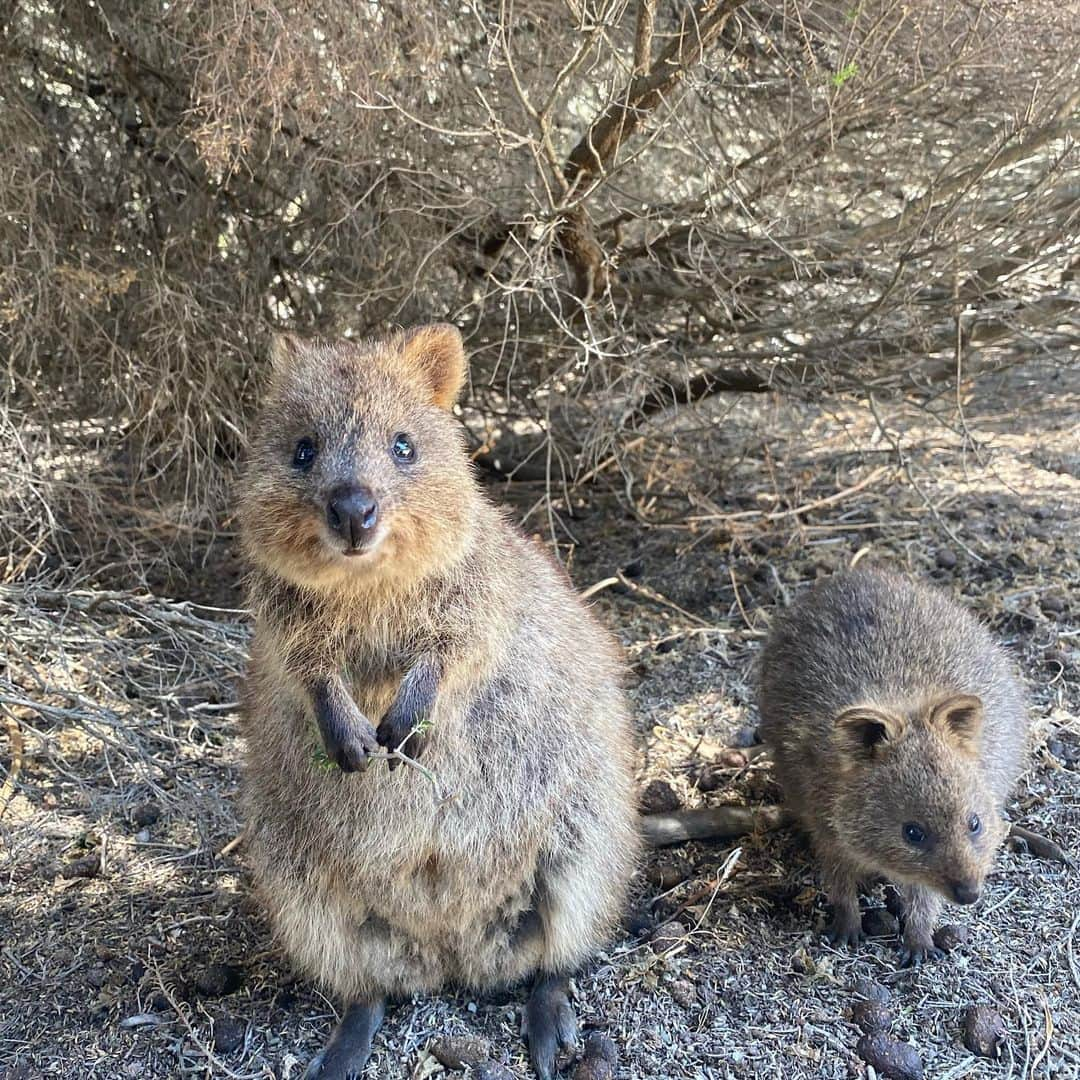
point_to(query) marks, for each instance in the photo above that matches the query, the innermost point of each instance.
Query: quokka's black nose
(352, 513)
(965, 892)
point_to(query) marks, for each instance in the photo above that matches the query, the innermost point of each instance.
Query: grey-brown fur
(868, 688)
(375, 887)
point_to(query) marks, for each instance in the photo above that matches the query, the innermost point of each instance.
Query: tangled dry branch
(628, 207)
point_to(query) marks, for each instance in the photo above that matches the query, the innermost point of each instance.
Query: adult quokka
(396, 609)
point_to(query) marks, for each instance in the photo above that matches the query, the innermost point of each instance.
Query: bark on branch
(703, 385)
(596, 151)
(643, 36)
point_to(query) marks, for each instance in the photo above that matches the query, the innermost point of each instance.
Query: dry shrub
(624, 205)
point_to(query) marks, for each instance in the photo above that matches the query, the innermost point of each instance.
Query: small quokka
(898, 730)
(397, 611)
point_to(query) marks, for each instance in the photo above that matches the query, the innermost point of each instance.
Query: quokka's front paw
(845, 930)
(349, 749)
(395, 729)
(917, 949)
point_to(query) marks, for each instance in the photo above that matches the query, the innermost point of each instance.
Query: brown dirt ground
(131, 752)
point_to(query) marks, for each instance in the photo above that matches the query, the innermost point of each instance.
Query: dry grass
(123, 700)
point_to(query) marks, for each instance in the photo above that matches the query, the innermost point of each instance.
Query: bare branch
(628, 110)
(643, 36)
(827, 199)
(596, 151)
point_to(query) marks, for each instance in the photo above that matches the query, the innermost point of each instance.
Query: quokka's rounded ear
(959, 718)
(284, 349)
(865, 732)
(436, 356)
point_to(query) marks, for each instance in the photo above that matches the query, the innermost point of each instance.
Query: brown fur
(887, 703)
(374, 887)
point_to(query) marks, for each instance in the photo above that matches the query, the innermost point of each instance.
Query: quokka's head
(914, 802)
(357, 469)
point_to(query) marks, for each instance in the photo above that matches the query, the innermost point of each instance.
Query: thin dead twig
(709, 889)
(200, 1043)
(661, 599)
(234, 843)
(15, 741)
(599, 586)
(650, 594)
(595, 471)
(905, 463)
(738, 599)
(796, 511)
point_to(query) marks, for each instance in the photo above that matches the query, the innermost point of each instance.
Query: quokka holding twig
(898, 729)
(401, 620)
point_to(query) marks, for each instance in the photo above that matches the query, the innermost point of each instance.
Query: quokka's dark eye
(974, 824)
(304, 455)
(914, 833)
(402, 447)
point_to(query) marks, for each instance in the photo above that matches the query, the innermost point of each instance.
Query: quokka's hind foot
(349, 1047)
(549, 1024)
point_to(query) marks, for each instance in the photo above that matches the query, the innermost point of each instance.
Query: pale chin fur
(360, 556)
(339, 557)
(334, 567)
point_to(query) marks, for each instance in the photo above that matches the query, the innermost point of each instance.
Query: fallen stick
(1039, 845)
(661, 599)
(234, 843)
(713, 823)
(795, 511)
(710, 889)
(599, 586)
